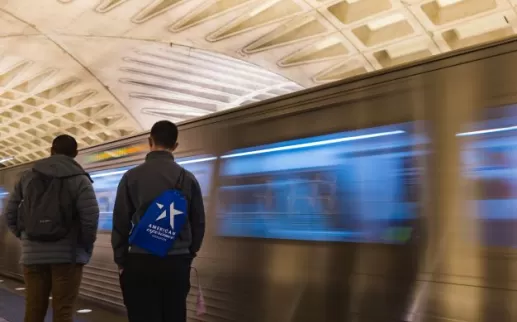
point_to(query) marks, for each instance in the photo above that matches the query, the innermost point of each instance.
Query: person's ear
(150, 141)
(52, 151)
(175, 146)
(75, 154)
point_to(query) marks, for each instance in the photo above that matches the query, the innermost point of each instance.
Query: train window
(106, 183)
(358, 186)
(202, 167)
(490, 157)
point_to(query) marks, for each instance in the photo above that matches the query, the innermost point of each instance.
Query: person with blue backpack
(158, 228)
(54, 212)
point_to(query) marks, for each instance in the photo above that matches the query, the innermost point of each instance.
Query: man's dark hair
(65, 145)
(164, 134)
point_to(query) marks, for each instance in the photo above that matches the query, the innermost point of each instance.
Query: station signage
(116, 153)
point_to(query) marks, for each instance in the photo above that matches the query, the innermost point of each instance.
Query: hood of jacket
(59, 166)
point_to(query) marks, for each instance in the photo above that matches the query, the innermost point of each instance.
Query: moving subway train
(389, 197)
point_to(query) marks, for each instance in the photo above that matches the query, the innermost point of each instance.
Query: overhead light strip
(114, 173)
(312, 144)
(197, 160)
(108, 174)
(84, 311)
(6, 159)
(494, 130)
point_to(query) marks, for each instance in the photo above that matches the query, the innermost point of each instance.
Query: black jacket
(140, 186)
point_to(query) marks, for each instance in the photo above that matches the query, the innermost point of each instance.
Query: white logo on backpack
(174, 212)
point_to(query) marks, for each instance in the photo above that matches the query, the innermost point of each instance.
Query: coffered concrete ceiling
(104, 69)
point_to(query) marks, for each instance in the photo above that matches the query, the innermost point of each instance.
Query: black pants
(156, 289)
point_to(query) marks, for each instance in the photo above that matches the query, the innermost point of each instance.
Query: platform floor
(12, 306)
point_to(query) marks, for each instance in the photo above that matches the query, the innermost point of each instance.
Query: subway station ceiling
(104, 69)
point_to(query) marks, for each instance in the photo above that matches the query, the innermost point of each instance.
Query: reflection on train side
(106, 183)
(3, 198)
(355, 186)
(491, 163)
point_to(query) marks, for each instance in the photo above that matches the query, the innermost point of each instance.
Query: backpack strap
(136, 216)
(181, 179)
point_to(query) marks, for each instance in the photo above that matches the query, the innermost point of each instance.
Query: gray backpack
(48, 211)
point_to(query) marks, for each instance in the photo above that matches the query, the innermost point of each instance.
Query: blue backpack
(162, 222)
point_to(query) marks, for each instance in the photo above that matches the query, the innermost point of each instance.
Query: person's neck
(161, 150)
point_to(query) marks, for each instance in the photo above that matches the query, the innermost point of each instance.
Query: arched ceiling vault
(103, 69)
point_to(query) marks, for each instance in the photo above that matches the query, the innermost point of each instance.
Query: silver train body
(387, 197)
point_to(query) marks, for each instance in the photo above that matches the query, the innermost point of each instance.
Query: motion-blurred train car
(387, 197)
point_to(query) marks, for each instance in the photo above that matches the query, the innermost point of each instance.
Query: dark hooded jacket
(82, 192)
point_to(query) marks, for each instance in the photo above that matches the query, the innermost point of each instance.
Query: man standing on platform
(54, 211)
(158, 227)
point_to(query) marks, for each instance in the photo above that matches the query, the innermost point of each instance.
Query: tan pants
(60, 280)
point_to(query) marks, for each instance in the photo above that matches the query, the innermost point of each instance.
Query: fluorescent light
(1, 281)
(84, 311)
(4, 193)
(6, 159)
(107, 174)
(312, 144)
(385, 21)
(114, 173)
(197, 160)
(494, 130)
(20, 288)
(445, 3)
